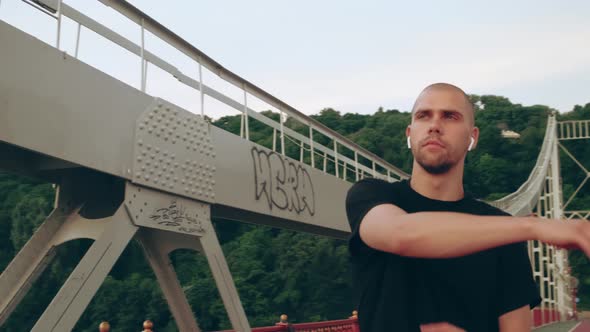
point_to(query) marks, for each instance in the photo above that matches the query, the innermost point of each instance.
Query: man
(427, 257)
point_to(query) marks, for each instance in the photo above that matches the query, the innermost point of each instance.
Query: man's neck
(442, 187)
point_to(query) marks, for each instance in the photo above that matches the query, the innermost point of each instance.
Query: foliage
(279, 271)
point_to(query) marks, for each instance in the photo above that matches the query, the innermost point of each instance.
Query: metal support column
(156, 246)
(74, 296)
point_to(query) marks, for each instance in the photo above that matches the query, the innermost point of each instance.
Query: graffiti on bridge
(283, 184)
(177, 216)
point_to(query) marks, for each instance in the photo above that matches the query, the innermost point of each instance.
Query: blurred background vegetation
(279, 271)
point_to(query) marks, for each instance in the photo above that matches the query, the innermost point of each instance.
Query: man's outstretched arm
(387, 227)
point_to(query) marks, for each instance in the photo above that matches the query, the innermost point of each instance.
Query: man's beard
(439, 166)
(436, 169)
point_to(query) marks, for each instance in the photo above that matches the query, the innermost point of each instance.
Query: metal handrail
(526, 196)
(573, 129)
(166, 35)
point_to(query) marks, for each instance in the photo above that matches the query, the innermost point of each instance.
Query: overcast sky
(354, 56)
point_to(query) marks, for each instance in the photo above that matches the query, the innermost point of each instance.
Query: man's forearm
(448, 234)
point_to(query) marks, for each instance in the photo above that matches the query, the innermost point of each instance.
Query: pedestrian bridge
(130, 165)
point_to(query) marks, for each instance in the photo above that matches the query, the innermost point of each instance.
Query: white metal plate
(173, 152)
(155, 209)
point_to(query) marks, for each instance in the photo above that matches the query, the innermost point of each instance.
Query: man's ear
(475, 136)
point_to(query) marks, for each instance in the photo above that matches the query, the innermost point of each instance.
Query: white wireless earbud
(471, 144)
(409, 144)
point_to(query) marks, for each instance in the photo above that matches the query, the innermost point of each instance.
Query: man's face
(442, 124)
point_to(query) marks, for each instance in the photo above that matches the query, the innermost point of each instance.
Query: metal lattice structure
(578, 131)
(159, 174)
(542, 195)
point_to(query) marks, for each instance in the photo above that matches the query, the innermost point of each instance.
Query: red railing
(342, 325)
(546, 316)
(540, 318)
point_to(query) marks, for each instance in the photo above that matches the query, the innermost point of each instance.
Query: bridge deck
(571, 326)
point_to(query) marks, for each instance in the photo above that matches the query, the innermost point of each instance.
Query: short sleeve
(517, 286)
(362, 197)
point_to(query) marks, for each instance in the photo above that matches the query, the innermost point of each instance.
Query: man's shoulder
(373, 186)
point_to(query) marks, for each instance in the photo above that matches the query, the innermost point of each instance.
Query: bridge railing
(573, 129)
(525, 198)
(341, 325)
(339, 156)
(585, 214)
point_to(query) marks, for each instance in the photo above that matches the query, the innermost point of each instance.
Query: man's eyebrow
(422, 110)
(442, 110)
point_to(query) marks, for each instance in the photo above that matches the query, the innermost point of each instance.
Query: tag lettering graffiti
(284, 184)
(177, 216)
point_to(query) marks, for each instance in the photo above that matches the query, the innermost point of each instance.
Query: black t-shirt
(397, 293)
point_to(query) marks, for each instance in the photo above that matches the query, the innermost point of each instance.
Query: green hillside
(276, 271)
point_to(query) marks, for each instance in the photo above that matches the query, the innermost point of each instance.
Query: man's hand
(567, 234)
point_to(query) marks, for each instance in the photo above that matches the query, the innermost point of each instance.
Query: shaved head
(442, 128)
(447, 88)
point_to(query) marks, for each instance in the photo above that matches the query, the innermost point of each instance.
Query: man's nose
(434, 126)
